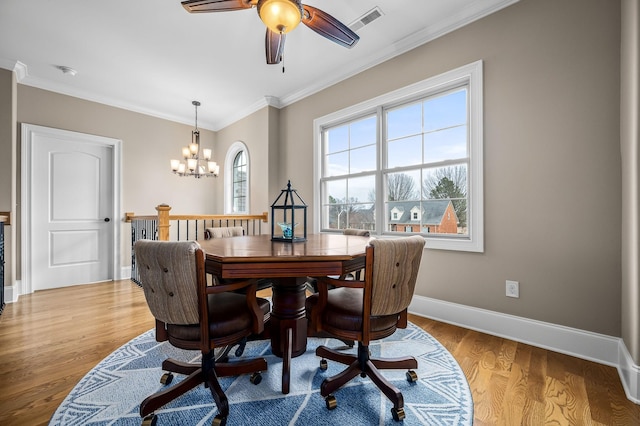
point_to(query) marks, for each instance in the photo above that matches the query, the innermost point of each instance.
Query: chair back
(169, 279)
(395, 270)
(224, 232)
(358, 232)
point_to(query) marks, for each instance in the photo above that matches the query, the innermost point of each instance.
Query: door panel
(71, 196)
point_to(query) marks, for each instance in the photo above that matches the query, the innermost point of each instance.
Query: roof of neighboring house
(432, 211)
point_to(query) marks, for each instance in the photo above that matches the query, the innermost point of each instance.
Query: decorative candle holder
(284, 211)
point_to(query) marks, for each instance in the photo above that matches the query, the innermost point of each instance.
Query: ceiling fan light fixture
(280, 16)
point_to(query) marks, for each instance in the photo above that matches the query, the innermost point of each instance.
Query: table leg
(288, 324)
(286, 361)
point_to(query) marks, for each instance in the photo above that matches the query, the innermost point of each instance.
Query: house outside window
(407, 162)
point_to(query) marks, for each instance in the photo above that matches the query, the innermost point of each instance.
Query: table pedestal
(288, 324)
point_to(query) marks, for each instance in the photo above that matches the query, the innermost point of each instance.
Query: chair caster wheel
(255, 378)
(150, 420)
(166, 378)
(397, 414)
(412, 376)
(323, 364)
(239, 351)
(331, 402)
(219, 421)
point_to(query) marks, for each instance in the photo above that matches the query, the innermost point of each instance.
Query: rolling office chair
(368, 310)
(228, 232)
(193, 316)
(312, 285)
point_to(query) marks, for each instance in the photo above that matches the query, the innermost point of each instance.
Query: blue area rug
(111, 393)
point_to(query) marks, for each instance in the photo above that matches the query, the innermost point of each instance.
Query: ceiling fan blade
(329, 27)
(274, 46)
(202, 6)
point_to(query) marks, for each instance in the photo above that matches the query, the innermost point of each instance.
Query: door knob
(106, 219)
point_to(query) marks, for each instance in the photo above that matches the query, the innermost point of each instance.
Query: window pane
(337, 164)
(335, 191)
(362, 197)
(363, 159)
(448, 184)
(445, 111)
(362, 216)
(349, 203)
(363, 132)
(362, 189)
(404, 152)
(337, 139)
(448, 144)
(350, 148)
(403, 186)
(404, 121)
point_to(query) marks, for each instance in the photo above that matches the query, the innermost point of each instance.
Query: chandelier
(195, 166)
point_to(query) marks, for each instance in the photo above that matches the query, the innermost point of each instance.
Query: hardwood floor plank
(50, 339)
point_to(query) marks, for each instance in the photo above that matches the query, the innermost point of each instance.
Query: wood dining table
(287, 264)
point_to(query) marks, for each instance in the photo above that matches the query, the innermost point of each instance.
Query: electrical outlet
(513, 289)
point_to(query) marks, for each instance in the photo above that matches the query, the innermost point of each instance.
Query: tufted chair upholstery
(194, 316)
(368, 310)
(223, 232)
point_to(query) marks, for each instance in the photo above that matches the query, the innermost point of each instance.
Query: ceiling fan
(280, 17)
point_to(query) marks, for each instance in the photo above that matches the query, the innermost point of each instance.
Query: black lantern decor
(285, 217)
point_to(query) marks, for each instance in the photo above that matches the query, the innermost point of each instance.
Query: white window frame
(470, 75)
(233, 150)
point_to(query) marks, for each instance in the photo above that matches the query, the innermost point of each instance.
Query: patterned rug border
(112, 391)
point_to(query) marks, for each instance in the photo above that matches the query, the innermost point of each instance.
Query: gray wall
(551, 165)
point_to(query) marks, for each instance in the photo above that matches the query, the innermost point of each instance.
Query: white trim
(25, 193)
(13, 292)
(583, 344)
(629, 373)
(233, 150)
(125, 273)
(471, 74)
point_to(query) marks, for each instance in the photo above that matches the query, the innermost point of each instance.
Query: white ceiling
(153, 57)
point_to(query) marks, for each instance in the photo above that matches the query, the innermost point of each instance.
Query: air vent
(366, 19)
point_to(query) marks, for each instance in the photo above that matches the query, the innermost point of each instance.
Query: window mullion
(381, 163)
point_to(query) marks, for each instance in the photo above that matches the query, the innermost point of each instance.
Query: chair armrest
(324, 284)
(328, 281)
(252, 301)
(222, 287)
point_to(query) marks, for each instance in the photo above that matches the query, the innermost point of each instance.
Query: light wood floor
(50, 339)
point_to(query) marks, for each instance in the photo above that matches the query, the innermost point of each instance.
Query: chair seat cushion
(344, 311)
(228, 314)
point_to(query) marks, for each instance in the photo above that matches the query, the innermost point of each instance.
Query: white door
(71, 238)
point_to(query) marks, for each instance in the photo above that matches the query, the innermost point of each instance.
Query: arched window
(240, 182)
(237, 179)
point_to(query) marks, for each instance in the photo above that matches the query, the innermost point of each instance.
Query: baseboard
(629, 374)
(125, 273)
(587, 345)
(13, 292)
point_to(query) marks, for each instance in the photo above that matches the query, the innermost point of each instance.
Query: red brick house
(429, 216)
